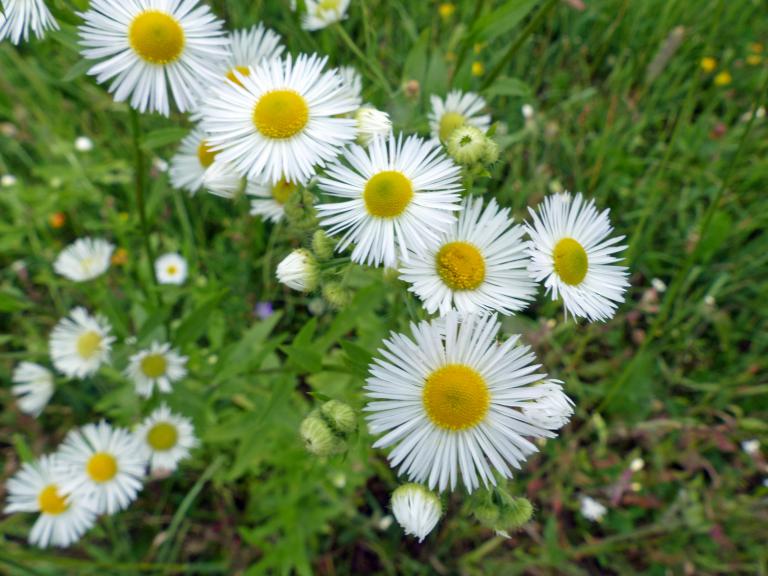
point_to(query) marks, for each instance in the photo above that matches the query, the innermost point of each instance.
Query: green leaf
(160, 138)
(79, 69)
(195, 323)
(358, 358)
(501, 20)
(415, 66)
(719, 228)
(509, 87)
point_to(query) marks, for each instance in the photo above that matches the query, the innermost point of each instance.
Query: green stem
(527, 31)
(364, 59)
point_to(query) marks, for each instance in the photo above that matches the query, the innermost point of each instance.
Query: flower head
(19, 17)
(171, 268)
(166, 438)
(298, 271)
(33, 387)
(322, 13)
(80, 343)
(157, 366)
(85, 259)
(458, 109)
(416, 509)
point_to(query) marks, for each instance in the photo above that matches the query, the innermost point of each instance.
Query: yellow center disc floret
(280, 114)
(448, 123)
(460, 265)
(156, 37)
(162, 436)
(102, 467)
(88, 344)
(205, 155)
(283, 190)
(50, 501)
(456, 397)
(571, 261)
(387, 194)
(243, 70)
(154, 365)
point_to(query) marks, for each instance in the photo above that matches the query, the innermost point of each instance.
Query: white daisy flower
(37, 488)
(458, 109)
(83, 144)
(148, 48)
(101, 465)
(352, 81)
(33, 387)
(18, 17)
(399, 195)
(453, 401)
(553, 409)
(372, 123)
(323, 13)
(171, 268)
(166, 438)
(281, 119)
(298, 271)
(591, 509)
(194, 161)
(269, 199)
(222, 180)
(481, 263)
(574, 258)
(84, 259)
(416, 509)
(80, 343)
(159, 366)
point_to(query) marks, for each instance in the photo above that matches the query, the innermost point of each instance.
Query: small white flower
(397, 195)
(7, 180)
(156, 366)
(751, 447)
(637, 464)
(659, 285)
(553, 409)
(573, 256)
(36, 487)
(298, 271)
(416, 509)
(102, 466)
(84, 259)
(80, 343)
(269, 199)
(458, 109)
(83, 144)
(591, 509)
(33, 387)
(166, 439)
(18, 17)
(372, 123)
(171, 268)
(323, 13)
(527, 111)
(153, 51)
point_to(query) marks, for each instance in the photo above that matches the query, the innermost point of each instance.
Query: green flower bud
(339, 416)
(322, 245)
(336, 295)
(300, 211)
(467, 145)
(491, 152)
(516, 513)
(318, 437)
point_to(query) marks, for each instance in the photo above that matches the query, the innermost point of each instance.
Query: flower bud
(516, 512)
(336, 295)
(491, 152)
(372, 123)
(341, 417)
(416, 509)
(322, 245)
(318, 437)
(467, 145)
(298, 271)
(552, 409)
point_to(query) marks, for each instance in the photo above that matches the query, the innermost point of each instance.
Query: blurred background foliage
(621, 107)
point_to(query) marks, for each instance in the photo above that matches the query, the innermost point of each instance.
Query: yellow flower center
(571, 261)
(283, 190)
(88, 344)
(244, 70)
(205, 155)
(456, 397)
(387, 194)
(448, 123)
(102, 467)
(460, 265)
(153, 365)
(328, 5)
(162, 436)
(50, 501)
(156, 37)
(280, 114)
(171, 270)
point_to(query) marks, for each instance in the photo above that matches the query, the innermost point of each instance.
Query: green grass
(623, 113)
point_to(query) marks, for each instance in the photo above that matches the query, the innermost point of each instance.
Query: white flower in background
(83, 144)
(323, 13)
(527, 111)
(352, 81)
(480, 263)
(298, 271)
(166, 439)
(222, 180)
(553, 409)
(102, 466)
(158, 366)
(372, 123)
(452, 400)
(7, 180)
(281, 120)
(194, 160)
(659, 285)
(18, 17)
(36, 488)
(574, 258)
(458, 109)
(397, 195)
(416, 509)
(751, 447)
(591, 509)
(33, 387)
(171, 268)
(159, 164)
(80, 343)
(84, 259)
(269, 199)
(153, 51)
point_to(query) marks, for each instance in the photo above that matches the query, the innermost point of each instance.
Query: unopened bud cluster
(500, 511)
(326, 430)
